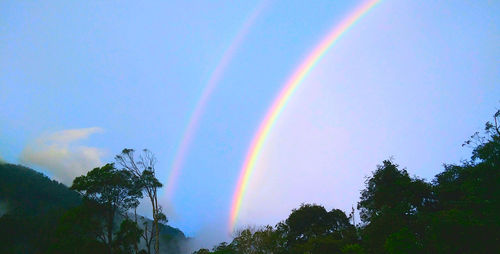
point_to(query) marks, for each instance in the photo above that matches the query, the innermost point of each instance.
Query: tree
(391, 200)
(224, 248)
(144, 170)
(80, 230)
(114, 191)
(468, 199)
(270, 240)
(403, 241)
(353, 249)
(254, 240)
(202, 251)
(312, 229)
(243, 242)
(127, 237)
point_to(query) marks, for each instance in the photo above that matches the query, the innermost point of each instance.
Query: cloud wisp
(59, 153)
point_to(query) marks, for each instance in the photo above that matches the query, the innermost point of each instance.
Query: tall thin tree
(144, 169)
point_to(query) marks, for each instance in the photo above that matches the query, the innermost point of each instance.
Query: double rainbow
(282, 99)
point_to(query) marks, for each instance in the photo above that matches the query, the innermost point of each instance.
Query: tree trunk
(136, 248)
(156, 212)
(157, 242)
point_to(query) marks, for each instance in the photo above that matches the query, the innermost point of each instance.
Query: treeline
(457, 212)
(97, 214)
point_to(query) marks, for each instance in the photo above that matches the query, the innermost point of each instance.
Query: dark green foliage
(403, 241)
(31, 193)
(127, 236)
(308, 229)
(309, 221)
(114, 192)
(45, 216)
(115, 189)
(312, 229)
(457, 213)
(79, 231)
(34, 204)
(224, 248)
(202, 251)
(391, 201)
(466, 218)
(353, 249)
(391, 190)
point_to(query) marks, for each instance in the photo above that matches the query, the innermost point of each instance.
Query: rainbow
(282, 99)
(214, 79)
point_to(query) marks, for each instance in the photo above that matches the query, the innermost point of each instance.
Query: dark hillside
(32, 193)
(31, 206)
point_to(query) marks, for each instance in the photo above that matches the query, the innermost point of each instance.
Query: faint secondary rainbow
(281, 101)
(214, 79)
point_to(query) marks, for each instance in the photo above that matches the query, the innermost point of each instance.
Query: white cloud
(59, 155)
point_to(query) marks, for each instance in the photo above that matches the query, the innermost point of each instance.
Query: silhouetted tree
(465, 219)
(391, 201)
(144, 171)
(202, 251)
(113, 190)
(127, 237)
(312, 229)
(254, 240)
(81, 230)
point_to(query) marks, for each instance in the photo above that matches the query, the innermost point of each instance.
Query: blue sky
(411, 80)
